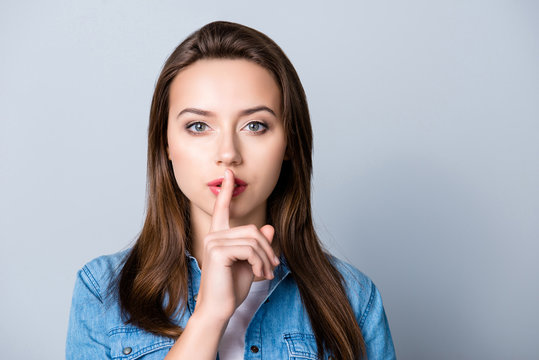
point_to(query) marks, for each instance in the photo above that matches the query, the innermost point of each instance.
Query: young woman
(228, 263)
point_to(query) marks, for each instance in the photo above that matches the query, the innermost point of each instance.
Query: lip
(238, 189)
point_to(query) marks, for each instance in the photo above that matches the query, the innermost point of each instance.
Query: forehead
(224, 84)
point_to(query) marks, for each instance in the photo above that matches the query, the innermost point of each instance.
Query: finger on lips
(243, 242)
(221, 209)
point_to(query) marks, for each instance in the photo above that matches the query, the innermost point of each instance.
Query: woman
(228, 263)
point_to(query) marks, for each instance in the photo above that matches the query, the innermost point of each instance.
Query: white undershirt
(233, 340)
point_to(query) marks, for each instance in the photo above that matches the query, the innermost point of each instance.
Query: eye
(197, 127)
(256, 127)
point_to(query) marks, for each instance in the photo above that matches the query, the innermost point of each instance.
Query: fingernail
(227, 174)
(275, 260)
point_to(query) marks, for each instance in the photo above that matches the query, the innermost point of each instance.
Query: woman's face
(226, 113)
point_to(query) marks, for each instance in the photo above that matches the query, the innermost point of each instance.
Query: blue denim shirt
(280, 328)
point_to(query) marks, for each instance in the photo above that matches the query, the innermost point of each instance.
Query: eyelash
(198, 133)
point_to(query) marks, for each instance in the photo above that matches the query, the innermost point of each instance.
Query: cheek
(270, 163)
(184, 165)
(185, 154)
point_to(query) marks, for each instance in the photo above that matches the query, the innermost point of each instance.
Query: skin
(232, 243)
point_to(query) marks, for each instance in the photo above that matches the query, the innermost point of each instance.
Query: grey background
(426, 123)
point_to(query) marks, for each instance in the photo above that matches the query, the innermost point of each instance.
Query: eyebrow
(242, 113)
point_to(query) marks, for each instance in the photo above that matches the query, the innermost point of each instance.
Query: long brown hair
(153, 283)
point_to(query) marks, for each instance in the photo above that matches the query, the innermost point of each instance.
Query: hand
(231, 259)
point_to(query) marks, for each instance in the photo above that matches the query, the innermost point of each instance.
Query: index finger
(221, 208)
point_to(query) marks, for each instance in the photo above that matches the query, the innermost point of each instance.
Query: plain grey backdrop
(426, 158)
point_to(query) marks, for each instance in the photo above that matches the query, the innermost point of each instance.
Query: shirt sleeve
(375, 329)
(86, 336)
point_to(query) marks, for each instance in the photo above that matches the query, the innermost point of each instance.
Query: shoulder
(99, 273)
(359, 287)
(97, 327)
(351, 275)
(354, 279)
(368, 308)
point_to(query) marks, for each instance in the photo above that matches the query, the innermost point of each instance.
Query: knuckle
(216, 252)
(208, 238)
(213, 248)
(251, 252)
(258, 265)
(209, 243)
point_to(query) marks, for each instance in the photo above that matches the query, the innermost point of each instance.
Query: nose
(228, 152)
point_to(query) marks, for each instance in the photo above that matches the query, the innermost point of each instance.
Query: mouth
(239, 186)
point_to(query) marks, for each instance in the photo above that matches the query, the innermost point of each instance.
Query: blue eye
(197, 127)
(256, 127)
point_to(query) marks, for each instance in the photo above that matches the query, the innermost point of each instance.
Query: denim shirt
(280, 328)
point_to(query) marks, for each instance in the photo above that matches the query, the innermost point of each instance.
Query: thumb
(268, 231)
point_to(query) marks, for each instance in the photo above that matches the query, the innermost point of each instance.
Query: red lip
(215, 186)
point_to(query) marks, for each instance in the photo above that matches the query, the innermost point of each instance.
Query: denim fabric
(280, 328)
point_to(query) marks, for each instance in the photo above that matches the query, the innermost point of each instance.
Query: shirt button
(254, 349)
(127, 350)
